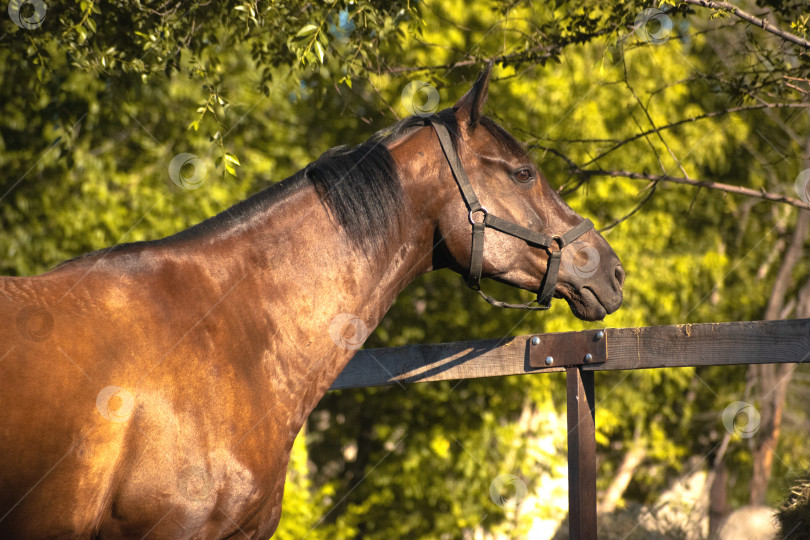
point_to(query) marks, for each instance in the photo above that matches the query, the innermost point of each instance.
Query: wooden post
(581, 454)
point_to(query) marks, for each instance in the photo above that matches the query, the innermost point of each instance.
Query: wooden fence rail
(580, 354)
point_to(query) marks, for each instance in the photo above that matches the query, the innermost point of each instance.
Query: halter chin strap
(531, 237)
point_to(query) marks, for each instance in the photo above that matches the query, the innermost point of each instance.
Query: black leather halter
(533, 238)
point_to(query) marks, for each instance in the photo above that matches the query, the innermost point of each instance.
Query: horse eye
(523, 175)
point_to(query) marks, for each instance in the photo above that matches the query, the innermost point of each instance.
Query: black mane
(360, 186)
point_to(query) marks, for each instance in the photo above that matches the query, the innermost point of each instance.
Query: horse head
(533, 239)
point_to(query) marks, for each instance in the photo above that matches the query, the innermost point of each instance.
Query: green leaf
(232, 158)
(306, 30)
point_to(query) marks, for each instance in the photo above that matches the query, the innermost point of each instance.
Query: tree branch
(719, 186)
(652, 123)
(713, 114)
(470, 60)
(538, 53)
(756, 21)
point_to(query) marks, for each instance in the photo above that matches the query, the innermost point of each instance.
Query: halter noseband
(479, 227)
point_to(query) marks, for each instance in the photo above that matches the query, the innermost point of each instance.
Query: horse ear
(471, 103)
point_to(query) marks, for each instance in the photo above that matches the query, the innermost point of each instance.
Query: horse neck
(309, 289)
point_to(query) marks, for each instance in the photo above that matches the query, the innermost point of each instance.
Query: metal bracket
(567, 349)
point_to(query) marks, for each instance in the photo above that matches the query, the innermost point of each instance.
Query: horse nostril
(620, 275)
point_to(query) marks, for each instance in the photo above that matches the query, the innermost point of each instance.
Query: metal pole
(581, 454)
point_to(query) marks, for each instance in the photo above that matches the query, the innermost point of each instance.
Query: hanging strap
(476, 254)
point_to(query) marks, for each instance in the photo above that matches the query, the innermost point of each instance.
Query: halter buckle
(482, 210)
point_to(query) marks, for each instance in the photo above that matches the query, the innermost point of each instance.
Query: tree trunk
(718, 494)
(772, 380)
(632, 459)
(718, 499)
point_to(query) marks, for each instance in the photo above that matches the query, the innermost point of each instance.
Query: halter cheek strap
(533, 238)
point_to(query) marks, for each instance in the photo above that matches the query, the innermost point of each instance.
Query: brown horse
(155, 389)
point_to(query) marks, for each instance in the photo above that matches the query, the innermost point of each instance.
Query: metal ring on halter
(482, 209)
(559, 240)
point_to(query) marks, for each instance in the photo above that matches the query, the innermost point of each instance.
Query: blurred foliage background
(98, 98)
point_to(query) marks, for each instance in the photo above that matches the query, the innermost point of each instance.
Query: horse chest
(192, 478)
(213, 496)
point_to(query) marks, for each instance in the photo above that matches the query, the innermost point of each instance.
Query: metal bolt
(549, 360)
(535, 341)
(600, 334)
(588, 357)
